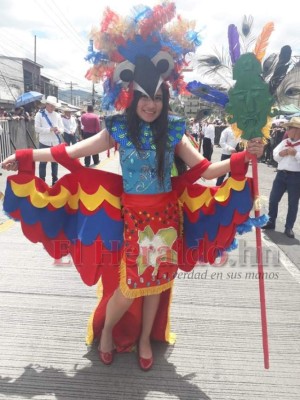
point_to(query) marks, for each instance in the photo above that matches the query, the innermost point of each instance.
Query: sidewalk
(215, 314)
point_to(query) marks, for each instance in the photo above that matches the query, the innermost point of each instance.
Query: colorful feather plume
(262, 41)
(281, 68)
(234, 43)
(140, 12)
(160, 16)
(110, 18)
(145, 31)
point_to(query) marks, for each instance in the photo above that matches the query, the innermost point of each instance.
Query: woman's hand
(10, 163)
(255, 147)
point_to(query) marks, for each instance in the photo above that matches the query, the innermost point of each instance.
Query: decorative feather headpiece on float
(139, 52)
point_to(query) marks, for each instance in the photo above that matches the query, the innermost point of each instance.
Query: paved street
(215, 315)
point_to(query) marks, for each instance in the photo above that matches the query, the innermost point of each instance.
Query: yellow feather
(266, 129)
(236, 131)
(262, 41)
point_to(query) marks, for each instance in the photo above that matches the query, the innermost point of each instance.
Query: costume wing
(212, 216)
(80, 215)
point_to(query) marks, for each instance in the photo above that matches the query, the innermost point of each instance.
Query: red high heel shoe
(145, 363)
(106, 357)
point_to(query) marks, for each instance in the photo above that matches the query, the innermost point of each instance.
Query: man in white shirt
(228, 142)
(195, 129)
(48, 125)
(208, 140)
(287, 179)
(70, 126)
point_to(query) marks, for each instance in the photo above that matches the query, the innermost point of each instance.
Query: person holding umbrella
(27, 98)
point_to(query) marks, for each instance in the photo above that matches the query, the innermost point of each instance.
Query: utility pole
(35, 84)
(34, 49)
(71, 88)
(93, 94)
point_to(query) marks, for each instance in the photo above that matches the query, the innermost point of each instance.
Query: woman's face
(147, 109)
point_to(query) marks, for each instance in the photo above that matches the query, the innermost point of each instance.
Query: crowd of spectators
(16, 114)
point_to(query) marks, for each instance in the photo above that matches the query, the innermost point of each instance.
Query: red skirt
(149, 266)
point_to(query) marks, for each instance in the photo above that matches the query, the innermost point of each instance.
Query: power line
(12, 54)
(11, 45)
(61, 26)
(8, 86)
(67, 22)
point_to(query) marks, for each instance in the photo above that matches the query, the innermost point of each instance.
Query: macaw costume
(135, 241)
(131, 231)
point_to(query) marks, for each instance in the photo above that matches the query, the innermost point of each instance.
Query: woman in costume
(150, 210)
(157, 224)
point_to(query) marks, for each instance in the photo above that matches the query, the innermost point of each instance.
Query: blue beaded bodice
(139, 167)
(139, 171)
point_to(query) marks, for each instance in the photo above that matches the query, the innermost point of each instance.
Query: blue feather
(174, 47)
(110, 94)
(193, 37)
(141, 12)
(96, 57)
(207, 93)
(251, 223)
(138, 46)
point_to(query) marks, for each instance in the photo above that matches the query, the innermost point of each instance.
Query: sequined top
(139, 168)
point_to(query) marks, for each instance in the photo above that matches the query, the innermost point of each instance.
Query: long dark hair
(159, 129)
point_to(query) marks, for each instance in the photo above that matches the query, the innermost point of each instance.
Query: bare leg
(150, 307)
(117, 305)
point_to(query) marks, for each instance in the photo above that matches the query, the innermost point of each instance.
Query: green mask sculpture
(250, 101)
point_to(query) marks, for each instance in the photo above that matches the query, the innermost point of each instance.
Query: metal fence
(16, 134)
(5, 142)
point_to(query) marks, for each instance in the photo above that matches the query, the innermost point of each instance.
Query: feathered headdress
(139, 52)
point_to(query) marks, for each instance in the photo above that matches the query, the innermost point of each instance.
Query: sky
(62, 29)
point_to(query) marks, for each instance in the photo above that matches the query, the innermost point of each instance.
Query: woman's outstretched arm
(192, 157)
(95, 144)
